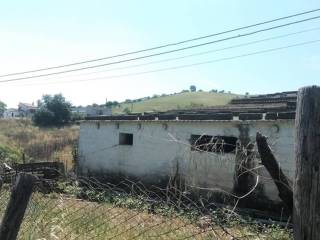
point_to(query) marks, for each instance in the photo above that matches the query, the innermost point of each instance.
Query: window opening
(217, 144)
(125, 139)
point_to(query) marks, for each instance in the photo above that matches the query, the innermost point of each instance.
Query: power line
(187, 65)
(162, 53)
(192, 55)
(165, 45)
(195, 54)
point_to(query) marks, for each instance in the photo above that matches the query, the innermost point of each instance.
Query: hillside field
(177, 101)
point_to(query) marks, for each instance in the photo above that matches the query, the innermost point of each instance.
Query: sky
(37, 34)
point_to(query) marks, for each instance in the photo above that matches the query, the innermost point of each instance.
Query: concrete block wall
(161, 149)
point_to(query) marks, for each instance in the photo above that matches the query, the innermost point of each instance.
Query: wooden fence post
(271, 164)
(16, 207)
(306, 215)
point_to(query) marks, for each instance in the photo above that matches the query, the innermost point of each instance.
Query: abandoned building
(201, 146)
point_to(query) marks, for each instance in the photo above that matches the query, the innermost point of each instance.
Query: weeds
(21, 141)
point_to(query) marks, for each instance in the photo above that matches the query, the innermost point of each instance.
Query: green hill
(177, 101)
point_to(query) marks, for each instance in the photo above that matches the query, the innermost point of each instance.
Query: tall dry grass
(38, 144)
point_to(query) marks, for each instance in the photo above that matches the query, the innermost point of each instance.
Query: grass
(58, 216)
(177, 101)
(20, 138)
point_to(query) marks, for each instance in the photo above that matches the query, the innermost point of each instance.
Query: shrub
(54, 110)
(9, 155)
(43, 117)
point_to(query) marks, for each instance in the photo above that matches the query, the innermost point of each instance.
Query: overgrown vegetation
(105, 214)
(9, 155)
(20, 139)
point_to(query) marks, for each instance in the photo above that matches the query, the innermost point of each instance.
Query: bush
(43, 117)
(9, 155)
(54, 110)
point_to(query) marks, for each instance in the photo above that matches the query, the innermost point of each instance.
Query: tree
(115, 103)
(54, 110)
(3, 107)
(111, 104)
(193, 88)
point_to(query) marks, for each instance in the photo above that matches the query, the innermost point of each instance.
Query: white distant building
(199, 146)
(11, 113)
(26, 110)
(92, 111)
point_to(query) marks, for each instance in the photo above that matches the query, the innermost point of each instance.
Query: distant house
(11, 113)
(99, 111)
(90, 111)
(26, 110)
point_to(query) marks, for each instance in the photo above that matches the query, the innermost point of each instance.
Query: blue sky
(36, 34)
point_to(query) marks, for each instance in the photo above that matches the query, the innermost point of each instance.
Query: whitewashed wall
(160, 147)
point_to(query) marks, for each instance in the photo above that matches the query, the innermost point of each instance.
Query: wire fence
(77, 207)
(86, 208)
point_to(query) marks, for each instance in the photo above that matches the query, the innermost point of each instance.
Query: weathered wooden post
(307, 156)
(271, 164)
(16, 207)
